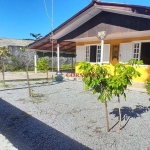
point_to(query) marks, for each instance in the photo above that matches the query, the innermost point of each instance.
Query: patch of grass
(4, 85)
(36, 97)
(36, 100)
(89, 127)
(21, 99)
(30, 69)
(67, 66)
(92, 121)
(38, 79)
(97, 130)
(36, 94)
(19, 70)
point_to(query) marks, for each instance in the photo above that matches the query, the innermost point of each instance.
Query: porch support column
(58, 54)
(59, 76)
(101, 36)
(71, 63)
(35, 62)
(102, 51)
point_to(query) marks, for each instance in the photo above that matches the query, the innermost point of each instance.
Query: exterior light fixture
(101, 35)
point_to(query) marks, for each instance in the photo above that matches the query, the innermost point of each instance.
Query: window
(93, 53)
(98, 53)
(141, 51)
(87, 58)
(145, 53)
(93, 50)
(136, 50)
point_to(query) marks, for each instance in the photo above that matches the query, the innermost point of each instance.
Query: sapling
(95, 78)
(23, 49)
(103, 82)
(117, 84)
(4, 53)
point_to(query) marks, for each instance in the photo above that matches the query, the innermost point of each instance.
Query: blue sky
(19, 18)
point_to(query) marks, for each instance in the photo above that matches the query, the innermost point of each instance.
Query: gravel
(62, 116)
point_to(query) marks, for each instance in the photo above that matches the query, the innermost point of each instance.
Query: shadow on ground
(28, 133)
(37, 84)
(127, 113)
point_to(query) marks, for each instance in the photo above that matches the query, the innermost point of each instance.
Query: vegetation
(67, 66)
(4, 85)
(36, 36)
(15, 65)
(148, 86)
(100, 80)
(95, 77)
(4, 53)
(43, 65)
(28, 80)
(23, 69)
(46, 54)
(117, 83)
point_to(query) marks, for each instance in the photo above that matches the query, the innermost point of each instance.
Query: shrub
(43, 65)
(15, 65)
(148, 86)
(66, 66)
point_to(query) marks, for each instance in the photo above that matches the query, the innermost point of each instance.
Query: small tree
(103, 82)
(4, 53)
(117, 83)
(43, 66)
(36, 36)
(23, 49)
(95, 77)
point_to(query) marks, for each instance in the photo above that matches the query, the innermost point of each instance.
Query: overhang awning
(123, 35)
(46, 46)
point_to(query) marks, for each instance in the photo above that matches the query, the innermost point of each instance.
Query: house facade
(127, 29)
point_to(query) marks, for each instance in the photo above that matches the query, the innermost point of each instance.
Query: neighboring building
(127, 30)
(15, 45)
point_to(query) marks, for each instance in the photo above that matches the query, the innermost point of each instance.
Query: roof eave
(105, 6)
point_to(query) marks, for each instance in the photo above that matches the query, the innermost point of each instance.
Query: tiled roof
(14, 42)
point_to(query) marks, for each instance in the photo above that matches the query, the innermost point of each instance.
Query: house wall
(144, 69)
(19, 59)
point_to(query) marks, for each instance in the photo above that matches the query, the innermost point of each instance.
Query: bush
(31, 69)
(148, 86)
(43, 65)
(15, 64)
(66, 66)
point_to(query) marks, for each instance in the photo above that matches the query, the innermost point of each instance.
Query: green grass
(23, 70)
(67, 66)
(2, 85)
(62, 67)
(148, 86)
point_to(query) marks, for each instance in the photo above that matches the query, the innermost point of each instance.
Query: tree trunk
(3, 70)
(52, 78)
(120, 117)
(28, 81)
(47, 75)
(107, 121)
